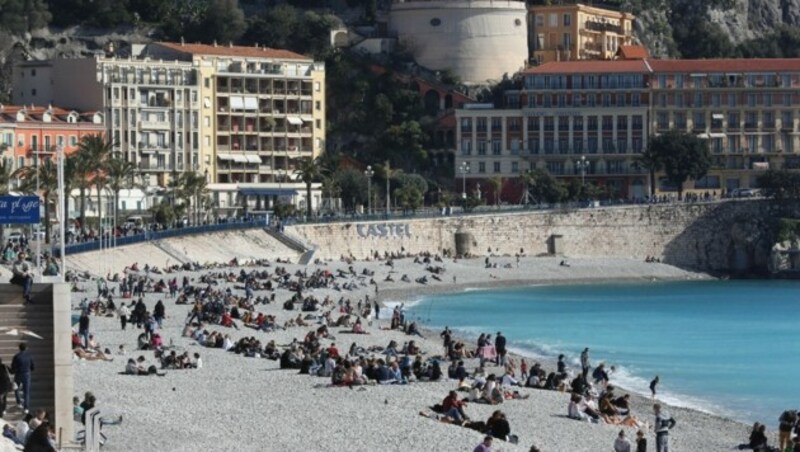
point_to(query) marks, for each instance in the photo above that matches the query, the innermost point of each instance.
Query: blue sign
(19, 209)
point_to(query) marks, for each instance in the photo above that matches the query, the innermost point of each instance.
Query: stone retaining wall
(721, 236)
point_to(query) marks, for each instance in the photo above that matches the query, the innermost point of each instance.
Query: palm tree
(652, 162)
(309, 171)
(93, 152)
(192, 188)
(496, 183)
(120, 174)
(48, 185)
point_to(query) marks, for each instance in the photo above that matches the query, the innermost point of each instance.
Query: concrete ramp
(210, 248)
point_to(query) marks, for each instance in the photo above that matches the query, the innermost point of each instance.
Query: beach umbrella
(19, 332)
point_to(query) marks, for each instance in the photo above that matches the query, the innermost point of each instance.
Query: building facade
(30, 131)
(577, 32)
(591, 120)
(236, 114)
(262, 109)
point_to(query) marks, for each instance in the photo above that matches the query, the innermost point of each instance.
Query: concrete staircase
(38, 318)
(308, 251)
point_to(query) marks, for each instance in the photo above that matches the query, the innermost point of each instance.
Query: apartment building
(237, 114)
(262, 109)
(591, 119)
(577, 32)
(747, 109)
(151, 106)
(30, 131)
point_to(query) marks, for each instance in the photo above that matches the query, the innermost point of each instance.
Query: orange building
(28, 130)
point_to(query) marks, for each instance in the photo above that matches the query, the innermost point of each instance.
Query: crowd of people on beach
(227, 297)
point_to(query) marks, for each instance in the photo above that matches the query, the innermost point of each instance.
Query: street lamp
(369, 173)
(583, 164)
(464, 170)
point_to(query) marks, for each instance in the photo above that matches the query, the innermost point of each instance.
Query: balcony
(158, 125)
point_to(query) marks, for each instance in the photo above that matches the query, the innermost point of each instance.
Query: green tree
(192, 189)
(352, 185)
(408, 197)
(402, 145)
(224, 21)
(780, 184)
(6, 177)
(308, 171)
(543, 187)
(21, 16)
(683, 156)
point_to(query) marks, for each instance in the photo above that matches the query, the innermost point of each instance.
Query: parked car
(743, 193)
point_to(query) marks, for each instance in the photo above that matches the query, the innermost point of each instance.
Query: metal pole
(388, 177)
(369, 196)
(38, 240)
(62, 219)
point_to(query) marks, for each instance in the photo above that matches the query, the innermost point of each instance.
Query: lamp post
(464, 170)
(63, 217)
(369, 173)
(583, 164)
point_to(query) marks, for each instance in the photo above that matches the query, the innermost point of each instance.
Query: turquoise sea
(727, 347)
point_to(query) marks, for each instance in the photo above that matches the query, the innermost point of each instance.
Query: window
(496, 167)
(47, 142)
(33, 92)
(768, 143)
(466, 146)
(680, 120)
(733, 120)
(731, 99)
(769, 120)
(768, 100)
(787, 99)
(60, 141)
(567, 41)
(318, 123)
(496, 147)
(207, 82)
(481, 147)
(435, 22)
(699, 120)
(567, 20)
(317, 86)
(698, 100)
(553, 20)
(751, 120)
(481, 167)
(73, 140)
(751, 100)
(662, 120)
(540, 20)
(318, 105)
(636, 99)
(514, 167)
(620, 100)
(787, 121)
(707, 182)
(34, 142)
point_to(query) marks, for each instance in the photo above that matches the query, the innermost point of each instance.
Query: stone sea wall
(733, 236)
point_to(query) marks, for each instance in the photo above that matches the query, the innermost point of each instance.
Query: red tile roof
(727, 65)
(33, 113)
(632, 53)
(238, 51)
(589, 67)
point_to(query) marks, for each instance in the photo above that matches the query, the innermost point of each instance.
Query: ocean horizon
(723, 347)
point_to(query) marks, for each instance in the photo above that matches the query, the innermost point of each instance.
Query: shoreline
(251, 399)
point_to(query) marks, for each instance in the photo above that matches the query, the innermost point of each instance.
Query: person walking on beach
(622, 444)
(83, 328)
(664, 423)
(123, 313)
(653, 385)
(585, 362)
(485, 446)
(786, 423)
(641, 442)
(500, 347)
(21, 367)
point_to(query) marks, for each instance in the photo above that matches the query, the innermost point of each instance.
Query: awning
(267, 191)
(716, 135)
(224, 156)
(239, 158)
(253, 159)
(719, 116)
(250, 103)
(307, 118)
(294, 120)
(237, 103)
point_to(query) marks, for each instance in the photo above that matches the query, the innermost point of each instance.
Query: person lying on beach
(91, 355)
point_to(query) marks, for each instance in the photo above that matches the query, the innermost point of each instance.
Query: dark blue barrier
(75, 248)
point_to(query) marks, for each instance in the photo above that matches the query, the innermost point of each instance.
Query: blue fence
(252, 223)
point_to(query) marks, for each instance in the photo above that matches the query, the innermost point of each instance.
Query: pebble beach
(235, 403)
